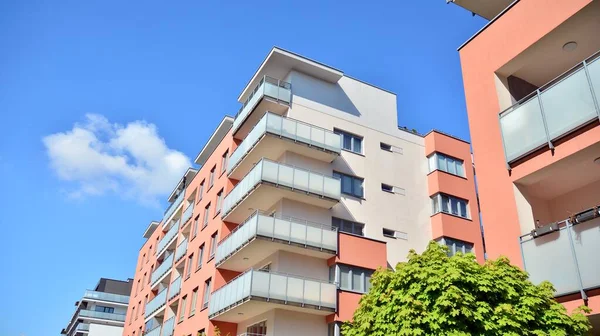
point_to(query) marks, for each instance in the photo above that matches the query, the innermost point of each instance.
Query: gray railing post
(539, 97)
(591, 84)
(580, 282)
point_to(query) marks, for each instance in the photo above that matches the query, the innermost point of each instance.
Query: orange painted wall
(360, 251)
(463, 187)
(507, 37)
(347, 303)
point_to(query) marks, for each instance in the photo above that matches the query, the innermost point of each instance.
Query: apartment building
(101, 311)
(297, 200)
(532, 86)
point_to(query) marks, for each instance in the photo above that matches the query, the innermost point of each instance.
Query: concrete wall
(104, 330)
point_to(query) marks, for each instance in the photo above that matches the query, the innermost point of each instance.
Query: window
(450, 204)
(151, 270)
(387, 188)
(145, 303)
(206, 215)
(351, 185)
(348, 226)
(137, 287)
(456, 246)
(182, 309)
(439, 161)
(219, 201)
(144, 280)
(389, 233)
(189, 266)
(224, 161)
(139, 308)
(385, 147)
(149, 253)
(211, 178)
(200, 191)
(193, 303)
(353, 278)
(206, 296)
(257, 329)
(195, 230)
(104, 309)
(200, 256)
(350, 142)
(213, 245)
(266, 268)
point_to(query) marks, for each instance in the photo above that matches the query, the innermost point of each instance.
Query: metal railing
(102, 315)
(174, 288)
(282, 175)
(290, 129)
(161, 270)
(153, 332)
(288, 230)
(268, 86)
(171, 209)
(168, 327)
(187, 213)
(558, 108)
(168, 238)
(568, 256)
(181, 250)
(155, 304)
(83, 327)
(276, 287)
(109, 297)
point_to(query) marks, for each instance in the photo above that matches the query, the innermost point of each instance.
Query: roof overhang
(150, 229)
(214, 140)
(487, 9)
(280, 62)
(187, 177)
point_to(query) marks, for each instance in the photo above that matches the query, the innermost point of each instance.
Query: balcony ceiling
(485, 8)
(545, 60)
(253, 308)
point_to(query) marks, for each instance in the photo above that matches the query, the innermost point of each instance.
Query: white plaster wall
(268, 316)
(105, 330)
(296, 264)
(118, 309)
(292, 323)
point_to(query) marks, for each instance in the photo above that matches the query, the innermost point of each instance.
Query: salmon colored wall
(223, 276)
(347, 304)
(360, 251)
(226, 328)
(442, 182)
(507, 37)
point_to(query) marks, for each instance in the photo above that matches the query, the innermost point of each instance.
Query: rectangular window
(200, 191)
(389, 233)
(258, 329)
(206, 297)
(149, 254)
(350, 141)
(354, 278)
(385, 147)
(211, 178)
(104, 309)
(219, 201)
(200, 256)
(456, 246)
(206, 215)
(445, 163)
(182, 308)
(450, 204)
(348, 226)
(144, 280)
(193, 303)
(213, 245)
(224, 159)
(189, 266)
(351, 185)
(387, 188)
(151, 270)
(195, 229)
(145, 303)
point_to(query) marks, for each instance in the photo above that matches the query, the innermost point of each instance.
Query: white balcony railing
(279, 288)
(284, 229)
(168, 327)
(109, 297)
(284, 176)
(290, 129)
(269, 87)
(171, 209)
(181, 250)
(166, 265)
(153, 332)
(187, 213)
(102, 315)
(572, 248)
(174, 288)
(168, 238)
(83, 327)
(156, 303)
(557, 108)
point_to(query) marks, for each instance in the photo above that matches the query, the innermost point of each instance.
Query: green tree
(433, 294)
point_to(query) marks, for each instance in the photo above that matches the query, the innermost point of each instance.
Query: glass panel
(312, 292)
(586, 240)
(357, 280)
(445, 201)
(357, 145)
(463, 209)
(454, 205)
(568, 104)
(451, 165)
(358, 187)
(303, 133)
(594, 72)
(459, 169)
(346, 184)
(277, 286)
(345, 277)
(328, 295)
(523, 129)
(316, 183)
(442, 163)
(432, 162)
(295, 289)
(300, 179)
(288, 128)
(347, 141)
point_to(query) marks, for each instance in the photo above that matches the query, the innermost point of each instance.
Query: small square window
(387, 188)
(385, 146)
(389, 233)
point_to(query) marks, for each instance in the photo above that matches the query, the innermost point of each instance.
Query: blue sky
(82, 83)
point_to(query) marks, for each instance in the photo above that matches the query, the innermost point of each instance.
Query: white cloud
(130, 160)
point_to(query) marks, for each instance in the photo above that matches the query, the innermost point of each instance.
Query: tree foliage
(433, 294)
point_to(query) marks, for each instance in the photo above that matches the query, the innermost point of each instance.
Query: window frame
(190, 265)
(224, 161)
(211, 177)
(387, 188)
(392, 235)
(452, 243)
(206, 294)
(365, 276)
(194, 301)
(219, 201)
(213, 245)
(352, 137)
(443, 203)
(353, 180)
(206, 216)
(200, 190)
(200, 256)
(434, 163)
(386, 147)
(344, 222)
(183, 303)
(195, 228)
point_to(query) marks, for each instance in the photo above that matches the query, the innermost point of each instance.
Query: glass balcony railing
(102, 296)
(187, 214)
(156, 303)
(290, 129)
(284, 176)
(162, 269)
(284, 229)
(563, 105)
(168, 238)
(269, 87)
(174, 288)
(83, 327)
(573, 249)
(279, 288)
(171, 209)
(168, 327)
(181, 250)
(153, 332)
(102, 315)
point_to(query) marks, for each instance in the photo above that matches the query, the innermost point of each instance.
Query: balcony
(174, 288)
(168, 327)
(181, 250)
(187, 213)
(262, 235)
(270, 181)
(162, 270)
(168, 239)
(274, 135)
(82, 328)
(558, 108)
(155, 304)
(485, 9)
(108, 297)
(255, 292)
(101, 315)
(173, 207)
(153, 332)
(566, 254)
(269, 95)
